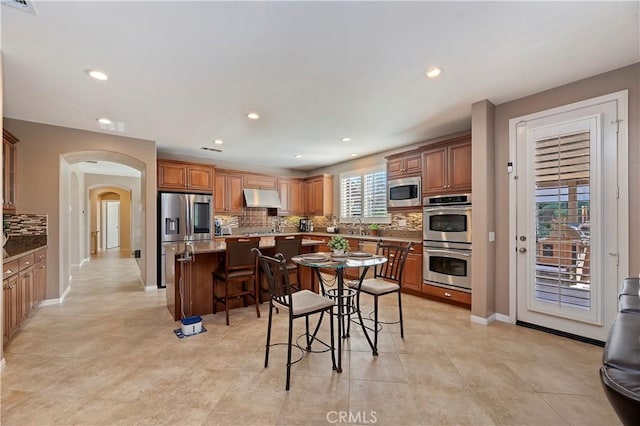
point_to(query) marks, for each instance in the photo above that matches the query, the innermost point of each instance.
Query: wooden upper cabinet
(434, 174)
(260, 182)
(227, 198)
(318, 195)
(403, 165)
(200, 178)
(460, 167)
(290, 191)
(296, 199)
(446, 167)
(176, 175)
(9, 167)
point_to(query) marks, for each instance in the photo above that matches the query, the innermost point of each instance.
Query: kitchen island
(189, 283)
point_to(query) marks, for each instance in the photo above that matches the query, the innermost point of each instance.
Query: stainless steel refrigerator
(182, 217)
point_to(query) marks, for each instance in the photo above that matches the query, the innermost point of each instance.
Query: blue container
(191, 325)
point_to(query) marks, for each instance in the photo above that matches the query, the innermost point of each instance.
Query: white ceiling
(185, 73)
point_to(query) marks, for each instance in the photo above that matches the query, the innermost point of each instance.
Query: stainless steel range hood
(268, 198)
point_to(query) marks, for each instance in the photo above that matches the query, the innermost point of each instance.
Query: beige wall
(43, 186)
(610, 82)
(483, 218)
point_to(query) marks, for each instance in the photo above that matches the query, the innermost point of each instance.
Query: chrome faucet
(359, 221)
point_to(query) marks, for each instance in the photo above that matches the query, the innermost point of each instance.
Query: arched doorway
(98, 198)
(77, 208)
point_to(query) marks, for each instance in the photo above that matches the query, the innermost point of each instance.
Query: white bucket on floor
(191, 325)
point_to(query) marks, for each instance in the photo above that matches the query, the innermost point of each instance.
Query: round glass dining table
(318, 261)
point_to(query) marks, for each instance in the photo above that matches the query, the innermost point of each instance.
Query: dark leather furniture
(620, 373)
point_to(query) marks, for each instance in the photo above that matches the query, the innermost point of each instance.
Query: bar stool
(289, 246)
(387, 279)
(239, 267)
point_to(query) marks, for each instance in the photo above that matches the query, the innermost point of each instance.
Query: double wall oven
(446, 228)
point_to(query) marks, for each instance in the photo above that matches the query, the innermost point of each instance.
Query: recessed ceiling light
(346, 139)
(98, 75)
(218, 141)
(354, 155)
(298, 156)
(253, 116)
(104, 121)
(433, 72)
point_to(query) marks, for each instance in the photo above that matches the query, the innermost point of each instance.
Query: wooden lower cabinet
(10, 307)
(445, 294)
(40, 277)
(412, 275)
(24, 287)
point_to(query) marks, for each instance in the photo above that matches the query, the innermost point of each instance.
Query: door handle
(522, 250)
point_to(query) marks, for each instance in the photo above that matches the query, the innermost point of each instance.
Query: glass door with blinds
(567, 220)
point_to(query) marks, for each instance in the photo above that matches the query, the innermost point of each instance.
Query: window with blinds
(363, 194)
(562, 188)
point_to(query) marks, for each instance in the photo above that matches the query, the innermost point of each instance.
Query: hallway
(109, 356)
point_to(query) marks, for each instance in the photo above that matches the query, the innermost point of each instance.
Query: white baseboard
(56, 301)
(65, 294)
(2, 365)
(503, 318)
(147, 287)
(483, 321)
(49, 302)
(83, 261)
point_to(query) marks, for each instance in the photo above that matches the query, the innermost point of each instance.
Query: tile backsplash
(257, 220)
(24, 224)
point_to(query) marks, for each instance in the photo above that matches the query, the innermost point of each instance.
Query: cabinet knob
(27, 262)
(8, 271)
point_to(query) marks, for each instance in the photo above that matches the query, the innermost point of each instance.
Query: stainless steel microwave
(404, 192)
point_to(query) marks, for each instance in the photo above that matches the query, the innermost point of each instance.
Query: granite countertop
(369, 237)
(266, 241)
(412, 236)
(18, 246)
(218, 246)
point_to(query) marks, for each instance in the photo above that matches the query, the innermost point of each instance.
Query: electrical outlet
(492, 236)
(402, 222)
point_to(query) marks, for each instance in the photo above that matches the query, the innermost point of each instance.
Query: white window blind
(563, 202)
(363, 194)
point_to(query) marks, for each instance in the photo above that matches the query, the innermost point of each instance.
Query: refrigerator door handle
(189, 230)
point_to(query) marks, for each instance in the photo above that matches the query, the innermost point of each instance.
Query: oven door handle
(447, 209)
(449, 252)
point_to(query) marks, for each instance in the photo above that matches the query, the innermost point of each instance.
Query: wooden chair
(387, 279)
(298, 304)
(239, 267)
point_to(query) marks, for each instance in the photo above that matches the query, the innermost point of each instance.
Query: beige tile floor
(108, 356)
